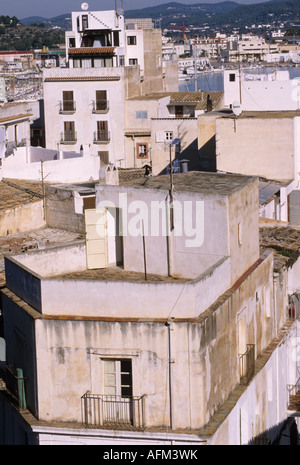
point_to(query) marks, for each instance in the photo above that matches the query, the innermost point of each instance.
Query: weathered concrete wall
(25, 217)
(197, 243)
(207, 142)
(81, 169)
(60, 210)
(152, 61)
(170, 80)
(54, 261)
(184, 129)
(267, 393)
(243, 234)
(256, 146)
(69, 354)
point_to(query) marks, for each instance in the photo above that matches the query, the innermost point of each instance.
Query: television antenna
(237, 108)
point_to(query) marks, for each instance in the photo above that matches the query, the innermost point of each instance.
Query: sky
(49, 9)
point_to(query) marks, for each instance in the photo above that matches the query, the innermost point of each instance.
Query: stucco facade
(178, 335)
(85, 104)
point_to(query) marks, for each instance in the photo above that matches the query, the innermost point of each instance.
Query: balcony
(100, 106)
(67, 107)
(15, 383)
(247, 364)
(101, 137)
(294, 397)
(113, 411)
(68, 137)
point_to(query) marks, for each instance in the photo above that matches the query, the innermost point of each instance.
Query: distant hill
(224, 15)
(62, 21)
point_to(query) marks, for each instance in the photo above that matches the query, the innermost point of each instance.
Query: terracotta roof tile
(91, 50)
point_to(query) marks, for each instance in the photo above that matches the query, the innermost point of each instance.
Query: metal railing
(68, 137)
(67, 106)
(100, 106)
(294, 396)
(247, 364)
(15, 383)
(116, 411)
(101, 137)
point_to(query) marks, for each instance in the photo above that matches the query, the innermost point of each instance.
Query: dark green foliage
(15, 36)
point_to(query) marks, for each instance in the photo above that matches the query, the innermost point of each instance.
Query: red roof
(91, 50)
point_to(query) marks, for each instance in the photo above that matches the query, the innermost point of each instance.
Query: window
(72, 42)
(131, 40)
(69, 126)
(231, 77)
(141, 115)
(101, 100)
(69, 131)
(122, 60)
(178, 111)
(116, 38)
(117, 385)
(133, 61)
(142, 150)
(102, 134)
(85, 23)
(117, 377)
(169, 136)
(68, 103)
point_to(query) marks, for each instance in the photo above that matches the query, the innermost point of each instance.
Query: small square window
(231, 77)
(142, 150)
(168, 135)
(131, 40)
(141, 114)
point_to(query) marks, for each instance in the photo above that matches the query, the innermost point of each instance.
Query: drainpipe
(171, 361)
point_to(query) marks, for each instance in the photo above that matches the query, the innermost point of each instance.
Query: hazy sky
(49, 9)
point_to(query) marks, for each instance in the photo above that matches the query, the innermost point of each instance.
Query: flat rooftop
(194, 181)
(116, 274)
(197, 98)
(264, 114)
(14, 193)
(24, 242)
(284, 241)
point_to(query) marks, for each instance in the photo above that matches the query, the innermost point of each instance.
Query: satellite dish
(120, 11)
(237, 108)
(84, 6)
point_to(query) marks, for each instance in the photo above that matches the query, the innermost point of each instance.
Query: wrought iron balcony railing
(100, 106)
(15, 383)
(67, 107)
(68, 137)
(294, 396)
(101, 137)
(115, 411)
(247, 364)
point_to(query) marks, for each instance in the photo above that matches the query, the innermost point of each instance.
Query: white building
(249, 49)
(274, 91)
(188, 343)
(107, 63)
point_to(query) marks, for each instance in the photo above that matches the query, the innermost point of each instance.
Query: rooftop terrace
(197, 182)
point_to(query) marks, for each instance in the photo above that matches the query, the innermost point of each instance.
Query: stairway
(294, 401)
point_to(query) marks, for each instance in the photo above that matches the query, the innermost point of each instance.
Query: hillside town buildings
(149, 251)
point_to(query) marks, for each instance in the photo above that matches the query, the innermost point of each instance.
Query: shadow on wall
(207, 156)
(195, 159)
(284, 434)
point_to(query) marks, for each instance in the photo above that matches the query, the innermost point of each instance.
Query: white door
(96, 238)
(117, 404)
